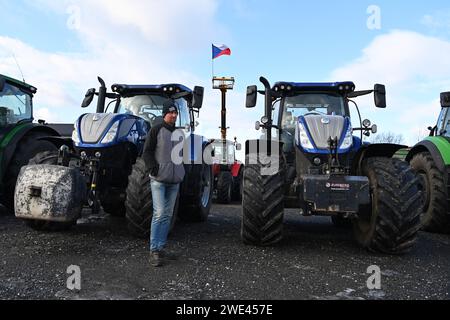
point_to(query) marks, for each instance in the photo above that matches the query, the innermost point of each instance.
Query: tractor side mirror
(380, 96)
(445, 99)
(252, 92)
(238, 147)
(88, 98)
(197, 98)
(2, 83)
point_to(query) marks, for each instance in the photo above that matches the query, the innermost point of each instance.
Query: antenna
(18, 66)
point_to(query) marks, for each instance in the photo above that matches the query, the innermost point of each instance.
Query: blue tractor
(101, 166)
(314, 163)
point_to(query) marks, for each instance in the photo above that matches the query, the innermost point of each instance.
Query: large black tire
(47, 157)
(197, 207)
(262, 204)
(139, 202)
(113, 204)
(390, 224)
(435, 214)
(224, 187)
(114, 207)
(26, 149)
(236, 194)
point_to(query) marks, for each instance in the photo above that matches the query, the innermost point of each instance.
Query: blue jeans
(164, 197)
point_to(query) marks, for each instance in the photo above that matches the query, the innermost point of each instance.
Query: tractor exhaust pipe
(101, 96)
(268, 113)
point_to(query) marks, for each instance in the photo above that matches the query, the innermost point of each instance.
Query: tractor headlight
(75, 136)
(348, 140)
(112, 133)
(305, 142)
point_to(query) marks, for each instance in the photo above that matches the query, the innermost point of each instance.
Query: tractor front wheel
(391, 222)
(262, 202)
(139, 202)
(435, 216)
(197, 206)
(224, 187)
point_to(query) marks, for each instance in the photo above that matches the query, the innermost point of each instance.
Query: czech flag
(222, 50)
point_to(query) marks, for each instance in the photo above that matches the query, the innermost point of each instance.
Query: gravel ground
(314, 261)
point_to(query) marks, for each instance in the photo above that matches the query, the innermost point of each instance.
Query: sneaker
(169, 255)
(156, 259)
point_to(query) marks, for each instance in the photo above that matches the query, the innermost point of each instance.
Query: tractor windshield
(223, 152)
(15, 105)
(444, 123)
(149, 107)
(311, 104)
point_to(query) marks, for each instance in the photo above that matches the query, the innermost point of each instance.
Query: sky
(62, 46)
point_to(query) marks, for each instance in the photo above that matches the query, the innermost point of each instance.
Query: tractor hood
(93, 126)
(314, 131)
(105, 129)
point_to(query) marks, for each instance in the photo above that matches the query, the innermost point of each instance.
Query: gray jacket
(157, 153)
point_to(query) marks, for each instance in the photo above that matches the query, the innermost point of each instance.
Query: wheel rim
(206, 187)
(426, 188)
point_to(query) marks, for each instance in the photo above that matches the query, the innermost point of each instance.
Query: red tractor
(227, 171)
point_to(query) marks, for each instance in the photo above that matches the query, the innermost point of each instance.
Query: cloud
(414, 68)
(128, 42)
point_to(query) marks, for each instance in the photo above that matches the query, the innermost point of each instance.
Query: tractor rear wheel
(224, 187)
(139, 202)
(262, 202)
(435, 215)
(391, 222)
(196, 208)
(237, 187)
(27, 148)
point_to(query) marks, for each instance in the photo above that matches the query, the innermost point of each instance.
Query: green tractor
(20, 138)
(430, 158)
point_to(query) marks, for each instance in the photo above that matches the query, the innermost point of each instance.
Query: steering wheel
(315, 112)
(149, 115)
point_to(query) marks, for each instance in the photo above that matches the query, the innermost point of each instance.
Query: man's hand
(154, 171)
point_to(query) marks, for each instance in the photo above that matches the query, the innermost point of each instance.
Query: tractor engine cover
(50, 193)
(336, 193)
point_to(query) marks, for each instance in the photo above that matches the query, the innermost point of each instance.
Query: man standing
(165, 180)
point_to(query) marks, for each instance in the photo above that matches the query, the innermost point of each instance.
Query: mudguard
(386, 150)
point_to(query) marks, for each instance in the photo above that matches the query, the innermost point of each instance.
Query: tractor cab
(15, 102)
(147, 102)
(443, 124)
(312, 106)
(224, 152)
